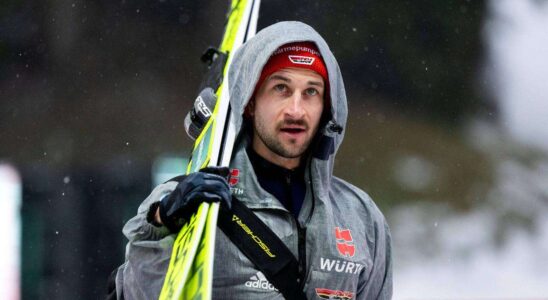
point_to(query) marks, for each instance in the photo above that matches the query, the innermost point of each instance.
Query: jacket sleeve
(147, 252)
(379, 285)
(385, 264)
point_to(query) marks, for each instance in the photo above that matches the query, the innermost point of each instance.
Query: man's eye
(280, 87)
(311, 92)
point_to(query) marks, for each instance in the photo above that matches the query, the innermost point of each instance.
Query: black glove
(209, 185)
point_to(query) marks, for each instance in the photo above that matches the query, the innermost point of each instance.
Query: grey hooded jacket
(340, 233)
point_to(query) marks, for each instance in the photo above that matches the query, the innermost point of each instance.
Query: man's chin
(292, 151)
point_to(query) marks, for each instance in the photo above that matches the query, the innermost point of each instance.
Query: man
(289, 106)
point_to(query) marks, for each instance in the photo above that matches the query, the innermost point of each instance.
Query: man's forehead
(293, 74)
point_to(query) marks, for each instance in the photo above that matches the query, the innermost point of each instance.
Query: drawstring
(334, 127)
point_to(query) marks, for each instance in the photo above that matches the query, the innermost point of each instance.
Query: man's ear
(249, 110)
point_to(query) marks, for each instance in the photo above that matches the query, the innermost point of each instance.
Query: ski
(190, 271)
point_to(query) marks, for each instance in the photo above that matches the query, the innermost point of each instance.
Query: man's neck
(288, 186)
(284, 162)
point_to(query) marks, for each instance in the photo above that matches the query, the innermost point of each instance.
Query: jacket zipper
(301, 232)
(302, 254)
(302, 239)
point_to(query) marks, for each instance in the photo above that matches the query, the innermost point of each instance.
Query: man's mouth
(293, 130)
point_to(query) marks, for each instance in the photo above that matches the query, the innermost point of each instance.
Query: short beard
(274, 144)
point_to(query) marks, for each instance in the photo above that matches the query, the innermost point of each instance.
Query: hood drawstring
(325, 145)
(334, 127)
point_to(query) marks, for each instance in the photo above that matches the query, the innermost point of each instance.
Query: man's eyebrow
(280, 77)
(316, 83)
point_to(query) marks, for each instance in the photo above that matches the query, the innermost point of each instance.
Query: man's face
(286, 113)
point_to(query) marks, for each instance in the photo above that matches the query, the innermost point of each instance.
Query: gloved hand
(209, 185)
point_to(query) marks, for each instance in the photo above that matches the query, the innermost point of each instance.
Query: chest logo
(234, 177)
(259, 281)
(334, 294)
(345, 243)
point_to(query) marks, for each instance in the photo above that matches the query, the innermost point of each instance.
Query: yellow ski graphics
(185, 244)
(198, 285)
(190, 270)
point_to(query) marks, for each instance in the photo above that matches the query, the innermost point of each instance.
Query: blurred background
(448, 132)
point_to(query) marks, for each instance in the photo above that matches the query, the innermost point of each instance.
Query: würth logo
(234, 177)
(345, 244)
(301, 60)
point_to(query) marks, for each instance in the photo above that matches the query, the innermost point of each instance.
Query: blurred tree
(421, 56)
(135, 64)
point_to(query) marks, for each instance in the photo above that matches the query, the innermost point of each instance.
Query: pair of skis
(190, 271)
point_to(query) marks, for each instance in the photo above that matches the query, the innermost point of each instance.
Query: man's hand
(209, 185)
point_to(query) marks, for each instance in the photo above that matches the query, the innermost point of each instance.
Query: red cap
(304, 55)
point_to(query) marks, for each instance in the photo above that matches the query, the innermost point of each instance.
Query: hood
(246, 67)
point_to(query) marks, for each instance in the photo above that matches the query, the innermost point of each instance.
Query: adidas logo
(259, 281)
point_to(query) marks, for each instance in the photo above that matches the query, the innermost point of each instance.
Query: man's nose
(294, 107)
